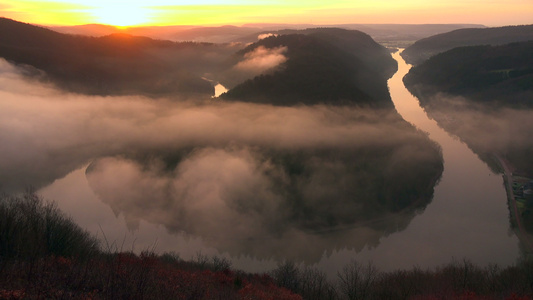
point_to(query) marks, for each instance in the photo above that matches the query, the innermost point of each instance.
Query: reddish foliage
(129, 276)
(514, 296)
(12, 294)
(261, 292)
(471, 296)
(125, 275)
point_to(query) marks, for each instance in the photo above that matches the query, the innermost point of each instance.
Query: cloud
(232, 198)
(487, 128)
(265, 35)
(262, 59)
(209, 188)
(254, 63)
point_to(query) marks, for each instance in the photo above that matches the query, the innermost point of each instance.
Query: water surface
(467, 218)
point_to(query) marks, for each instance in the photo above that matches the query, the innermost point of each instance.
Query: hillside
(427, 47)
(355, 42)
(331, 66)
(43, 270)
(486, 99)
(501, 75)
(116, 64)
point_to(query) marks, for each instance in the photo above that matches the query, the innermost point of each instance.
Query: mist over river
(467, 217)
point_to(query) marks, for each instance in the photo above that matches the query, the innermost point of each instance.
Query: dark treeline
(427, 47)
(496, 75)
(69, 264)
(356, 42)
(456, 280)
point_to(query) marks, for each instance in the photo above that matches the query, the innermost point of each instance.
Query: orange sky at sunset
(238, 12)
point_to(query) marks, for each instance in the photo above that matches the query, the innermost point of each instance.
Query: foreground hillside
(427, 47)
(66, 263)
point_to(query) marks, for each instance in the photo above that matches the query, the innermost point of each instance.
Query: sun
(121, 15)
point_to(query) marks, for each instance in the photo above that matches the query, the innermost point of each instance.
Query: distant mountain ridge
(248, 33)
(376, 31)
(427, 47)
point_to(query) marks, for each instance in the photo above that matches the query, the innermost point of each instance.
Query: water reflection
(141, 151)
(275, 203)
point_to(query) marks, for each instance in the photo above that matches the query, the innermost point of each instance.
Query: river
(468, 217)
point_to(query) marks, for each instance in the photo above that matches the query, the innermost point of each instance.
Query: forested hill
(321, 68)
(358, 43)
(500, 75)
(427, 47)
(110, 65)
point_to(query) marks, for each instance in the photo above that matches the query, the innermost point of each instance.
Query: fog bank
(223, 171)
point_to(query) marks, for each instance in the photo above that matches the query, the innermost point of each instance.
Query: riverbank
(516, 205)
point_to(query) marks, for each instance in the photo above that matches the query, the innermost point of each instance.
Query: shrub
(356, 280)
(31, 227)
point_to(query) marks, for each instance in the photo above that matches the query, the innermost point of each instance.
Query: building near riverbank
(527, 191)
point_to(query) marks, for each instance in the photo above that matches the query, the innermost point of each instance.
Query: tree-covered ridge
(500, 75)
(116, 64)
(358, 43)
(427, 47)
(316, 71)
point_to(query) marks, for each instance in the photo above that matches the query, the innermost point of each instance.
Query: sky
(239, 12)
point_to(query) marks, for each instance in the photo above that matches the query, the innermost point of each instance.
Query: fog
(262, 59)
(265, 35)
(487, 128)
(224, 171)
(251, 64)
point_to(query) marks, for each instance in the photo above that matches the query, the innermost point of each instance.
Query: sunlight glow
(120, 15)
(238, 12)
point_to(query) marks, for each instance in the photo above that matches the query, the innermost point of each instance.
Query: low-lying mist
(248, 178)
(252, 64)
(487, 128)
